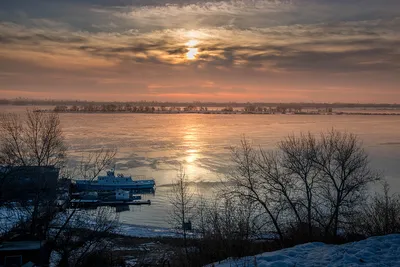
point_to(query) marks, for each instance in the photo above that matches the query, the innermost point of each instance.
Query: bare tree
(232, 218)
(382, 214)
(78, 233)
(202, 208)
(297, 157)
(307, 182)
(92, 163)
(228, 224)
(35, 139)
(89, 168)
(247, 183)
(181, 199)
(345, 175)
(84, 232)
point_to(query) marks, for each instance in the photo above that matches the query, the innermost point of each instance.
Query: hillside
(375, 251)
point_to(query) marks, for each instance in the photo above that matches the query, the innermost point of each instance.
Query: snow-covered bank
(144, 231)
(149, 232)
(374, 251)
(10, 217)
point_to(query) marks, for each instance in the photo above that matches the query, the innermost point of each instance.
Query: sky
(188, 50)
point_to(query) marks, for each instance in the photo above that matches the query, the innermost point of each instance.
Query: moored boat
(112, 182)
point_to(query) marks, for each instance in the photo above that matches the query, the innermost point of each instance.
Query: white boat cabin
(110, 178)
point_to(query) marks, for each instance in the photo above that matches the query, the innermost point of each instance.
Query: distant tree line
(304, 105)
(120, 107)
(128, 108)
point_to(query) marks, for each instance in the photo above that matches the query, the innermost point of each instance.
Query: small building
(23, 253)
(26, 182)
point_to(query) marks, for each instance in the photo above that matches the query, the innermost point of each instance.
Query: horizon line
(192, 102)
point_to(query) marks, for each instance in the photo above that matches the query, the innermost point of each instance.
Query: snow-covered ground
(149, 231)
(144, 231)
(375, 251)
(9, 217)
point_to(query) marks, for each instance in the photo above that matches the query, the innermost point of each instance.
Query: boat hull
(92, 186)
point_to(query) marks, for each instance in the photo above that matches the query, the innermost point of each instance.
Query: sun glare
(192, 43)
(191, 54)
(192, 49)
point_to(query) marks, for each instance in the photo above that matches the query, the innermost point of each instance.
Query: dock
(98, 203)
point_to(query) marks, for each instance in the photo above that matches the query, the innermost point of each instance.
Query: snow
(11, 216)
(374, 251)
(150, 232)
(143, 231)
(131, 262)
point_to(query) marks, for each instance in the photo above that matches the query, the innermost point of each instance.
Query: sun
(192, 49)
(191, 54)
(192, 43)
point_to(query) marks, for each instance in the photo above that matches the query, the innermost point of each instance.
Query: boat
(113, 183)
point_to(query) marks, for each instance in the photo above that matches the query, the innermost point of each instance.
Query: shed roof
(20, 245)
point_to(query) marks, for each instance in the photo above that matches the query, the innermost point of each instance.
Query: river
(155, 144)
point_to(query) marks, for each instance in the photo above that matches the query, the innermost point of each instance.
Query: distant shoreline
(227, 113)
(29, 103)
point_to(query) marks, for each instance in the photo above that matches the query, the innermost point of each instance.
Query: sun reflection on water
(191, 154)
